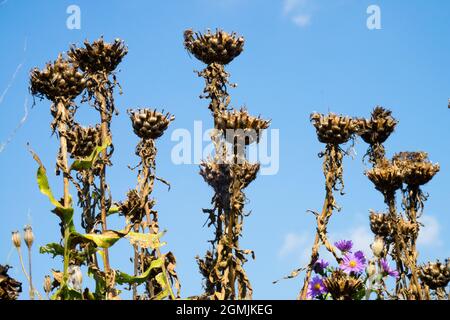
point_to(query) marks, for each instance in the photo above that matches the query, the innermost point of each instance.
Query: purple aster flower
(353, 262)
(316, 288)
(360, 255)
(386, 270)
(320, 266)
(344, 245)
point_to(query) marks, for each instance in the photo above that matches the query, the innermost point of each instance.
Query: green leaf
(52, 248)
(65, 213)
(161, 279)
(146, 240)
(122, 277)
(112, 210)
(105, 239)
(88, 162)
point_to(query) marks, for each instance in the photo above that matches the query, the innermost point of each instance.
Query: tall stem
(104, 156)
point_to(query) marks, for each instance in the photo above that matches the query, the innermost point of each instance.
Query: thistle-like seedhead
(220, 175)
(333, 128)
(380, 224)
(82, 141)
(240, 126)
(98, 56)
(436, 274)
(386, 176)
(131, 208)
(149, 123)
(379, 127)
(220, 47)
(342, 286)
(59, 80)
(417, 168)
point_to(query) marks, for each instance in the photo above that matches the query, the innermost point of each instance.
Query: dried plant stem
(135, 263)
(23, 268)
(148, 183)
(104, 137)
(332, 153)
(62, 130)
(397, 254)
(31, 277)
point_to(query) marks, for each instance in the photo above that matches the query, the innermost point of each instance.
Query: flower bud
(371, 269)
(16, 240)
(377, 246)
(28, 236)
(47, 284)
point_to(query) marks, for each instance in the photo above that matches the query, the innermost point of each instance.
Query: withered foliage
(9, 287)
(91, 70)
(138, 208)
(222, 266)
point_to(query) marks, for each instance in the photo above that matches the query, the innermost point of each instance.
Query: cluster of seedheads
(85, 154)
(83, 157)
(222, 266)
(395, 231)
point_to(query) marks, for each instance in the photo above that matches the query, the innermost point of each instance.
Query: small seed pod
(417, 169)
(98, 56)
(377, 247)
(16, 239)
(28, 236)
(378, 128)
(334, 129)
(149, 124)
(371, 268)
(47, 284)
(219, 47)
(435, 274)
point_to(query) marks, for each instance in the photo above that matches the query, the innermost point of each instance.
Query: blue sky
(300, 56)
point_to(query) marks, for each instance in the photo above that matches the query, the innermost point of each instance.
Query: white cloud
(290, 5)
(299, 11)
(292, 243)
(302, 20)
(429, 233)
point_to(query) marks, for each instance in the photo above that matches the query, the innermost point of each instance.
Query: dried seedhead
(220, 47)
(334, 129)
(59, 80)
(380, 224)
(407, 229)
(386, 176)
(240, 126)
(9, 287)
(98, 56)
(220, 175)
(132, 208)
(417, 169)
(217, 175)
(379, 127)
(436, 274)
(342, 286)
(149, 124)
(82, 141)
(245, 172)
